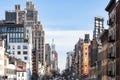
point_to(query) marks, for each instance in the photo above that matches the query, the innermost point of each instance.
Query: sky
(65, 21)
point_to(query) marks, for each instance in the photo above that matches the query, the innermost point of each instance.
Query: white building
(2, 50)
(23, 51)
(11, 71)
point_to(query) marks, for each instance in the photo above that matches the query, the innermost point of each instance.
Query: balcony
(111, 52)
(110, 22)
(111, 35)
(112, 18)
(111, 70)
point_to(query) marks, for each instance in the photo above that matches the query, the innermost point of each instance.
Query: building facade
(113, 39)
(54, 58)
(34, 65)
(29, 17)
(98, 30)
(17, 45)
(104, 61)
(2, 60)
(25, 33)
(85, 57)
(98, 27)
(69, 59)
(78, 58)
(48, 53)
(93, 50)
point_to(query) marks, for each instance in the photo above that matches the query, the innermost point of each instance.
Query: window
(25, 58)
(13, 52)
(18, 74)
(13, 47)
(27, 31)
(25, 52)
(17, 35)
(18, 52)
(27, 36)
(13, 35)
(8, 47)
(25, 47)
(19, 47)
(21, 35)
(22, 74)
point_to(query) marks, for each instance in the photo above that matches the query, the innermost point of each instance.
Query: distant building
(98, 30)
(48, 53)
(93, 50)
(87, 38)
(35, 71)
(54, 61)
(85, 57)
(54, 58)
(98, 27)
(104, 61)
(78, 56)
(69, 60)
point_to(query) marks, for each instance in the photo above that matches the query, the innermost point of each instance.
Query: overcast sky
(64, 20)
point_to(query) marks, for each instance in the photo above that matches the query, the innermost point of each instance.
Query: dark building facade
(104, 60)
(78, 58)
(34, 65)
(93, 59)
(113, 9)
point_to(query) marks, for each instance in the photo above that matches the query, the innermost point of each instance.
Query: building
(54, 59)
(93, 50)
(104, 61)
(39, 42)
(69, 65)
(17, 45)
(21, 69)
(48, 53)
(31, 35)
(18, 16)
(69, 59)
(16, 68)
(85, 57)
(35, 65)
(2, 60)
(78, 58)
(29, 17)
(98, 27)
(13, 68)
(113, 39)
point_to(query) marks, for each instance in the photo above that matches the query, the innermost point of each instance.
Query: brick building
(104, 60)
(113, 9)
